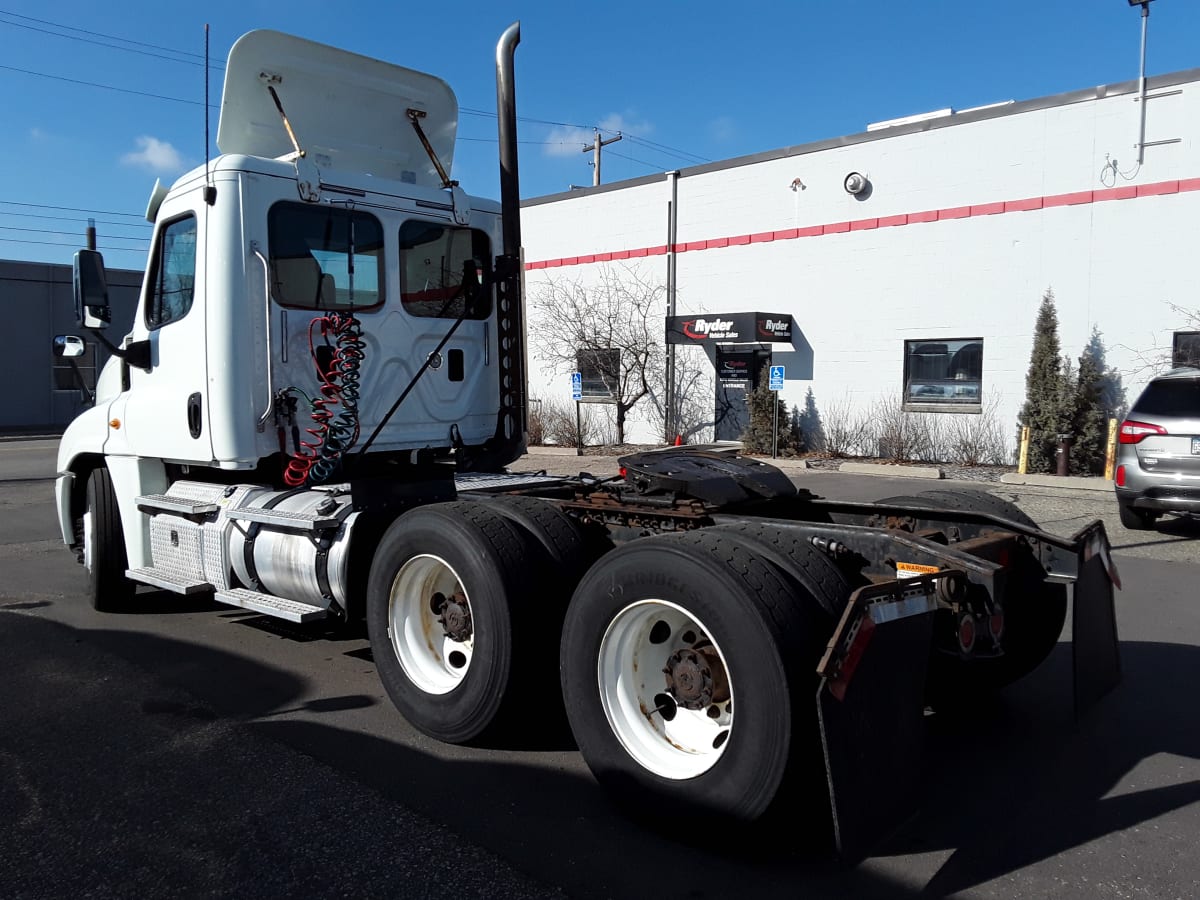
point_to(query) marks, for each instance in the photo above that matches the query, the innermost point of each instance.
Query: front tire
(714, 734)
(452, 619)
(104, 554)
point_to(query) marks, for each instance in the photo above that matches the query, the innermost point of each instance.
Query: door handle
(195, 422)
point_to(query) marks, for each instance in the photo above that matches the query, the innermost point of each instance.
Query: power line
(492, 140)
(115, 237)
(103, 212)
(491, 114)
(663, 148)
(4, 212)
(72, 37)
(465, 110)
(107, 87)
(75, 245)
(634, 159)
(101, 34)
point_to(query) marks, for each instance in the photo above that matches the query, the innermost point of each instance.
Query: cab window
(173, 273)
(325, 257)
(445, 272)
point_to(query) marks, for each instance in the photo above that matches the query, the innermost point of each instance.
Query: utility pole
(594, 149)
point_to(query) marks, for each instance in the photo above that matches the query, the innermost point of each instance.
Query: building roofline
(1051, 101)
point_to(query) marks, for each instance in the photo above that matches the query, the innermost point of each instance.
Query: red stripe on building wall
(1076, 198)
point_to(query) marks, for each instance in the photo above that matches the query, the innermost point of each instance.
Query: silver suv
(1158, 457)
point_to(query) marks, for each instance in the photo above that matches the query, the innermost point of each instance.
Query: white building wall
(969, 220)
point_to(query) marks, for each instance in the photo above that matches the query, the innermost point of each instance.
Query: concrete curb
(892, 471)
(1075, 482)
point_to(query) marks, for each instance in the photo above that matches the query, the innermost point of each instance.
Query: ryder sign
(740, 328)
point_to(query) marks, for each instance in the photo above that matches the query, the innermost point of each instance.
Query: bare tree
(694, 406)
(621, 310)
(1157, 358)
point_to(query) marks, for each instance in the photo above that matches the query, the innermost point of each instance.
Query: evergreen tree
(1112, 388)
(763, 402)
(1048, 405)
(1089, 420)
(795, 430)
(811, 428)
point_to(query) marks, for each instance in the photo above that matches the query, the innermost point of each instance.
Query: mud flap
(1095, 645)
(870, 707)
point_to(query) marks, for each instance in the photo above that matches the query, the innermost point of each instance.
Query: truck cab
(321, 268)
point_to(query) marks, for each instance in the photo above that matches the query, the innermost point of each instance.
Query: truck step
(268, 605)
(167, 581)
(296, 521)
(184, 506)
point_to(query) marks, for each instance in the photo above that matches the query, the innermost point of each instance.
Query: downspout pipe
(1141, 144)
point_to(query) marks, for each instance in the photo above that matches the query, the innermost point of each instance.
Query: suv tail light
(1133, 432)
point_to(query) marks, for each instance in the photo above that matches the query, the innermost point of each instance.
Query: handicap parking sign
(576, 385)
(776, 378)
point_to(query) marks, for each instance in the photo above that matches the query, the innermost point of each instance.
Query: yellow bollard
(1023, 459)
(1110, 450)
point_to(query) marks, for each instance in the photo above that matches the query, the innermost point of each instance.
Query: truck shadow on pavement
(1012, 785)
(1166, 531)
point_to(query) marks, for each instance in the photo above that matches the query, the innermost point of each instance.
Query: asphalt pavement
(189, 749)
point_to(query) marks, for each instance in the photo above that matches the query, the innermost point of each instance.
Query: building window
(173, 273)
(1185, 349)
(64, 370)
(445, 272)
(600, 372)
(325, 257)
(943, 375)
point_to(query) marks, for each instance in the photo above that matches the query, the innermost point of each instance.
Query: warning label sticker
(912, 570)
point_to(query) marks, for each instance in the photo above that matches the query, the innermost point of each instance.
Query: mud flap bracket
(870, 707)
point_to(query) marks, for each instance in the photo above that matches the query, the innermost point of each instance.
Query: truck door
(166, 413)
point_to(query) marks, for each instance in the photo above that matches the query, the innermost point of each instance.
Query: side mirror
(68, 346)
(91, 290)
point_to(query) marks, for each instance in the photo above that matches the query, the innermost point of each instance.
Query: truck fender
(132, 477)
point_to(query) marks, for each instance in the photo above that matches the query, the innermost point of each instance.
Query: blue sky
(685, 82)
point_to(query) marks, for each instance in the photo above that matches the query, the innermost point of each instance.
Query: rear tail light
(1132, 432)
(966, 632)
(1120, 476)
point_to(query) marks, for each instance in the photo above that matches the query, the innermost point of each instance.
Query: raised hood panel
(348, 111)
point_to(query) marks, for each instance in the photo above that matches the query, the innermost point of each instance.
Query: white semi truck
(311, 417)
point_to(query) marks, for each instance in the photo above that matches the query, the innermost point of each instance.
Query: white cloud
(723, 129)
(618, 122)
(565, 140)
(157, 156)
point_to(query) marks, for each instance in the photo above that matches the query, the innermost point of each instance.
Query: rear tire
(815, 572)
(104, 554)
(669, 748)
(454, 621)
(1136, 519)
(558, 534)
(1034, 611)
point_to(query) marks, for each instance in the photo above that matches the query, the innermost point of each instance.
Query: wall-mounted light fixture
(855, 183)
(798, 185)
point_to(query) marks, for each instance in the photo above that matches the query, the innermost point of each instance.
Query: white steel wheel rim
(89, 540)
(433, 661)
(630, 672)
